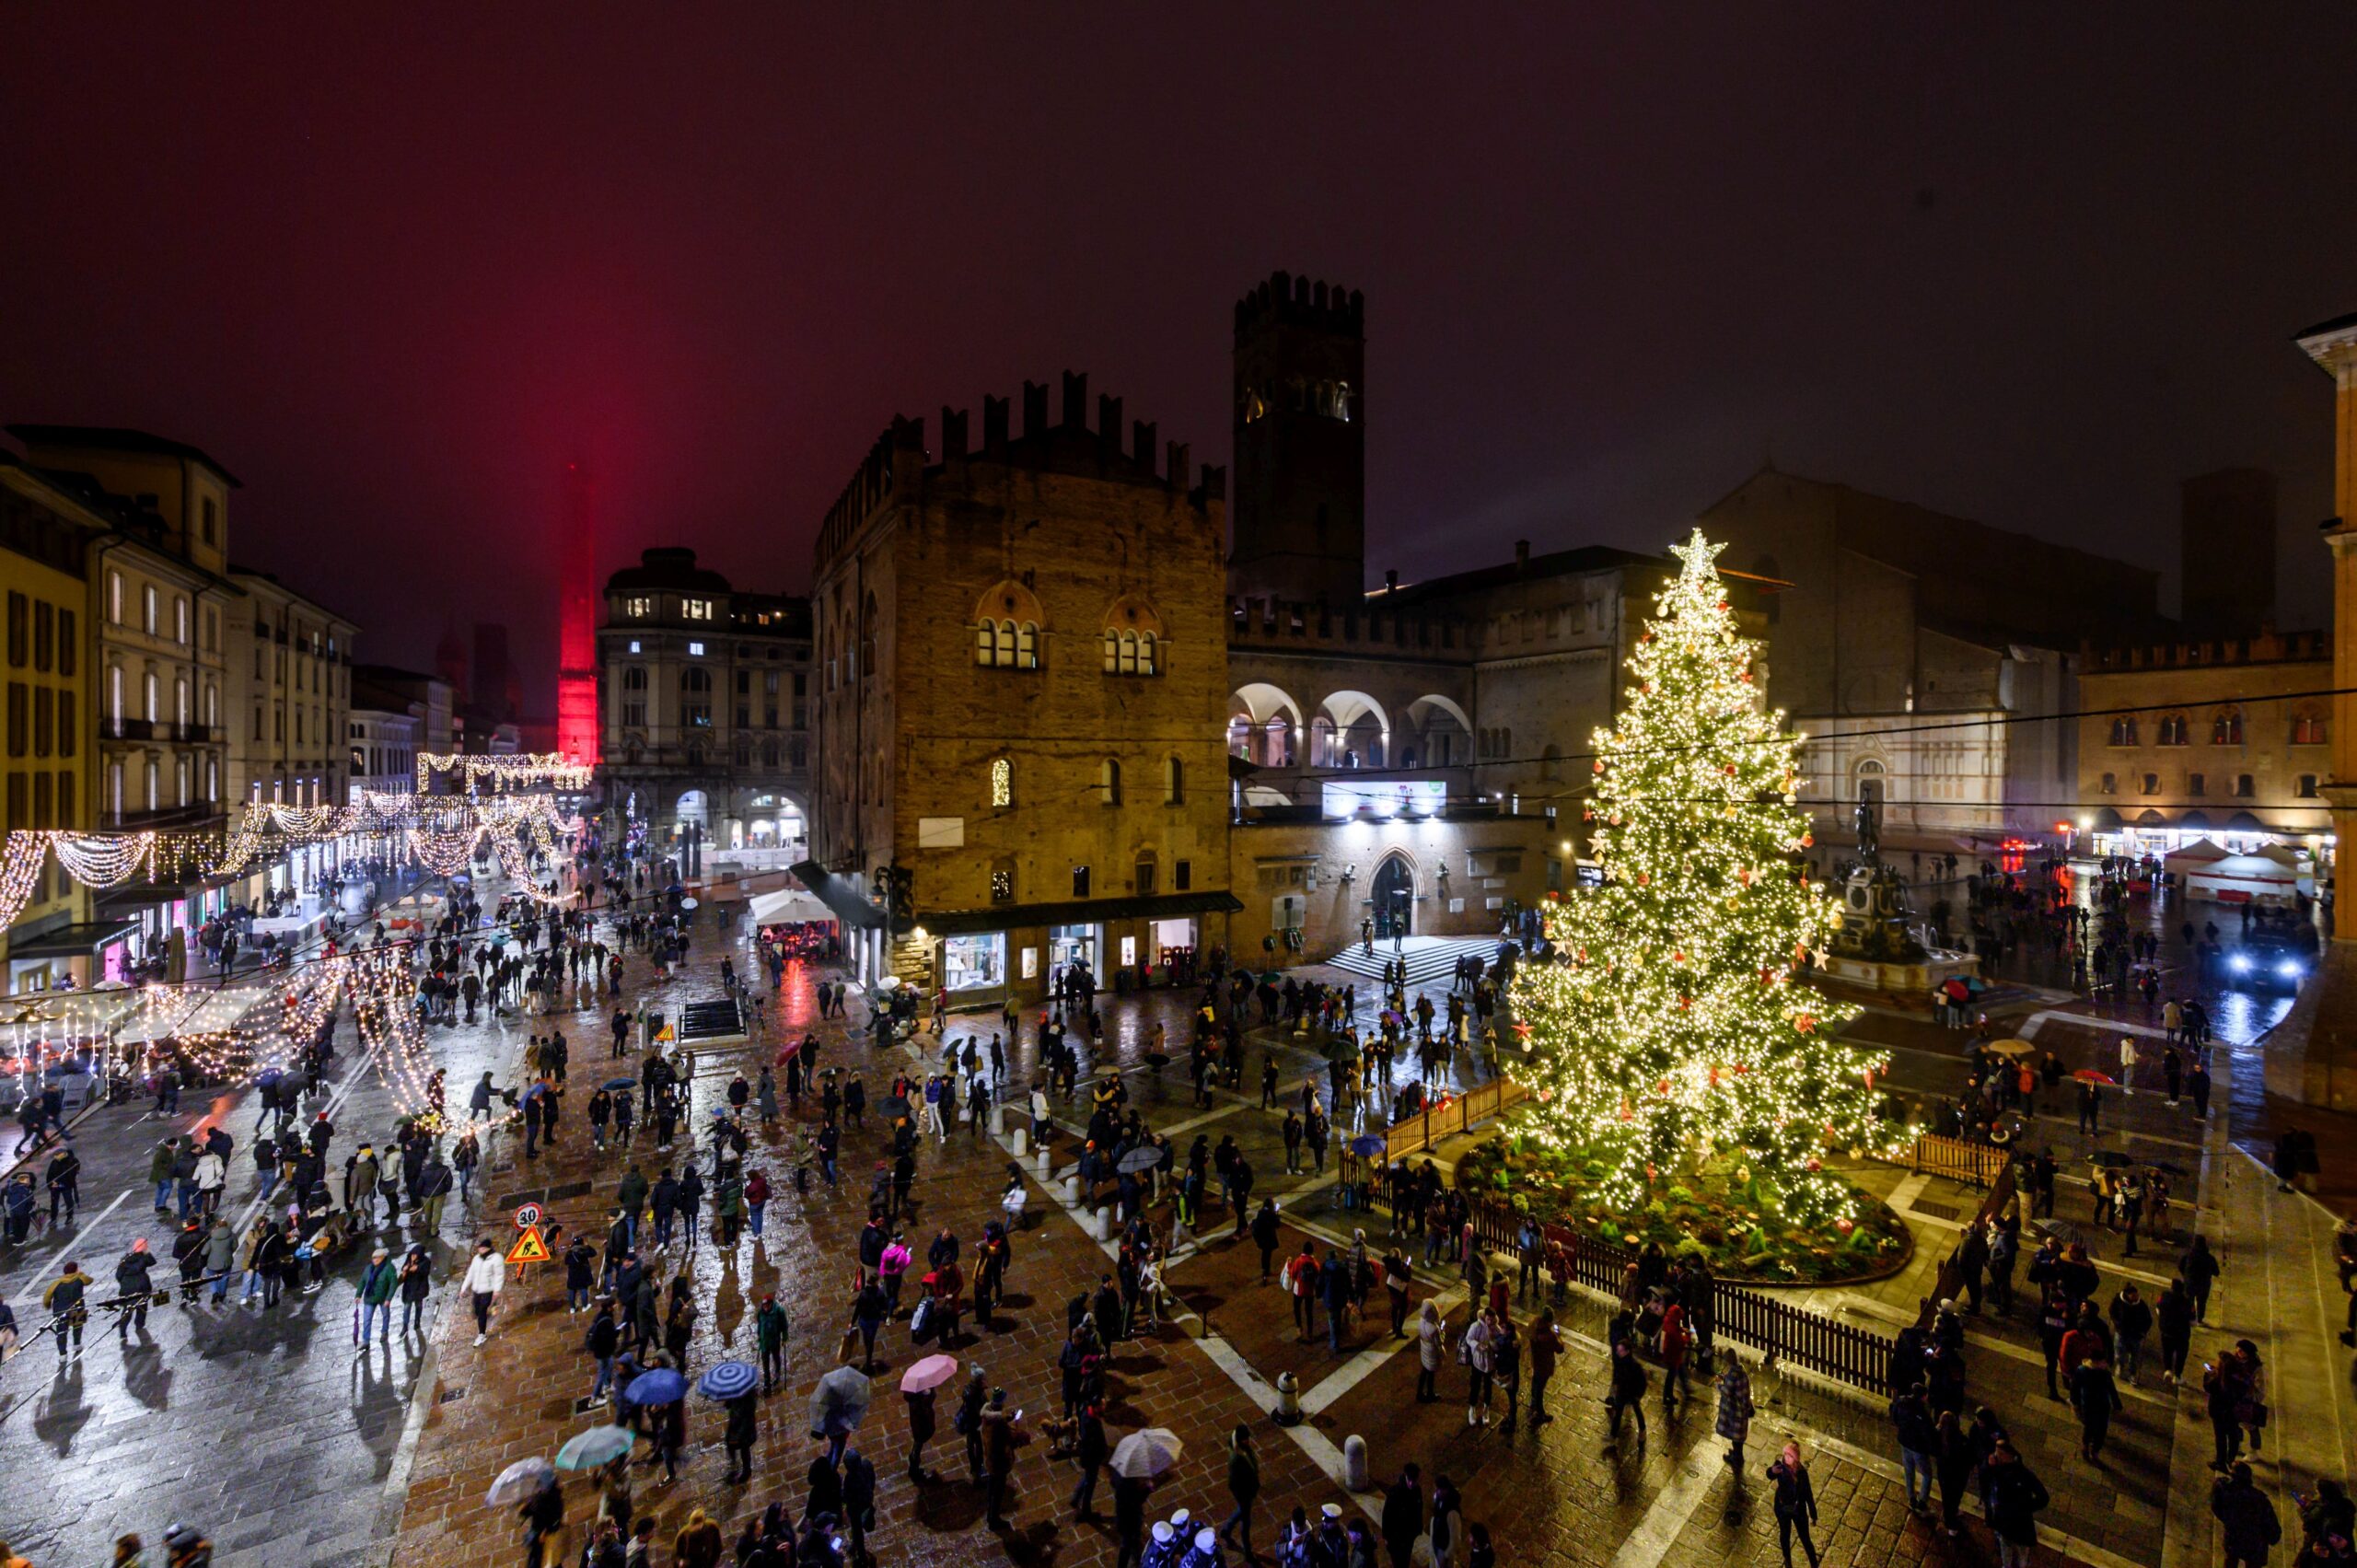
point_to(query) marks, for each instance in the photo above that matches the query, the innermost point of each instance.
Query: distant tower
(576, 678)
(2227, 545)
(1299, 514)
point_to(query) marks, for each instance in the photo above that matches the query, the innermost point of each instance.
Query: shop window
(974, 963)
(1129, 952)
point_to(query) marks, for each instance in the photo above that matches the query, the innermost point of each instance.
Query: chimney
(1391, 579)
(953, 434)
(994, 424)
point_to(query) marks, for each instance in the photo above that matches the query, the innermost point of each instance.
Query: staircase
(1431, 960)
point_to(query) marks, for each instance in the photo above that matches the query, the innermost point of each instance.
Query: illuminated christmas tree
(1670, 1036)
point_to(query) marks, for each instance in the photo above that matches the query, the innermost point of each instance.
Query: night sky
(2033, 272)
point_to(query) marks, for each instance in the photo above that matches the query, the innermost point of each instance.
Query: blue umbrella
(268, 1076)
(659, 1387)
(1366, 1146)
(727, 1380)
(611, 1085)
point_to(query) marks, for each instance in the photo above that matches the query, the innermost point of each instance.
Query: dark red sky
(393, 276)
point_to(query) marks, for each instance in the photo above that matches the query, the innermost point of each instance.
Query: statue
(1867, 847)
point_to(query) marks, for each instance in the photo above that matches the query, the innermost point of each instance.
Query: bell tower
(1298, 522)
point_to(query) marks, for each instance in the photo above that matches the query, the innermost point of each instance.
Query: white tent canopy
(2240, 878)
(2194, 856)
(787, 906)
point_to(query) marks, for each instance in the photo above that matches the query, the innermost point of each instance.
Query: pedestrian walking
(2248, 1526)
(1244, 1486)
(2012, 1497)
(486, 1275)
(1795, 1501)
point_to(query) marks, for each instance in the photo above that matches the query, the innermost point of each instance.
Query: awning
(2244, 822)
(76, 941)
(2151, 820)
(787, 906)
(1075, 912)
(2108, 821)
(2194, 821)
(851, 906)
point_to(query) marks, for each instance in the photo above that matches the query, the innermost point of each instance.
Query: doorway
(1394, 897)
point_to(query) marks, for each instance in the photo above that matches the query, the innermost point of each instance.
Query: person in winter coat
(2248, 1527)
(1734, 1421)
(1264, 1234)
(2096, 1396)
(1627, 1393)
(220, 1256)
(1953, 1460)
(1795, 1502)
(770, 1332)
(1546, 1349)
(920, 1431)
(2012, 1497)
(738, 1436)
(1244, 1486)
(1432, 1343)
(132, 1283)
(486, 1275)
(378, 1284)
(1403, 1517)
(2175, 1316)
(1090, 1450)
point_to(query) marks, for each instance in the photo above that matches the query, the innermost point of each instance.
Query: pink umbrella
(930, 1373)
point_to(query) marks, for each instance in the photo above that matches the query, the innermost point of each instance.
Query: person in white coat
(2126, 1064)
(486, 1272)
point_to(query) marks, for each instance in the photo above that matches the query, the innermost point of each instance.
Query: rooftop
(117, 438)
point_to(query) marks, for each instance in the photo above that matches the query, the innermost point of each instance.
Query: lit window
(1001, 782)
(695, 650)
(634, 644)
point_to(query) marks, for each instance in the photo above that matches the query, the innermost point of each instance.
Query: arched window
(2227, 728)
(695, 697)
(634, 677)
(1001, 782)
(2307, 729)
(2123, 731)
(868, 638)
(1174, 782)
(154, 689)
(2175, 731)
(1108, 783)
(986, 643)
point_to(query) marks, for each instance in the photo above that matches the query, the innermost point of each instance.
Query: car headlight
(2239, 964)
(2288, 969)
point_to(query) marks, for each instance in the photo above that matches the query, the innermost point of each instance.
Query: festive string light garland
(1667, 1033)
(552, 767)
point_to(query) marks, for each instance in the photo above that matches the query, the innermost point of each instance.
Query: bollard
(1072, 1189)
(1016, 1141)
(1355, 1469)
(1103, 1228)
(998, 1120)
(1288, 1410)
(1043, 1164)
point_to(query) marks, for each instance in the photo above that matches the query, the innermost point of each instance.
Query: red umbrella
(2089, 1076)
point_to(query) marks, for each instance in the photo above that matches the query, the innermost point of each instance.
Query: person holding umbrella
(921, 1426)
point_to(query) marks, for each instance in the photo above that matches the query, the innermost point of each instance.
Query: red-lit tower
(576, 652)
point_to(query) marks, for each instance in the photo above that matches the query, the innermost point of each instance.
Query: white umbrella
(1143, 1454)
(518, 1481)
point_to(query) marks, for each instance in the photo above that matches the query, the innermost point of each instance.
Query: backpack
(920, 1322)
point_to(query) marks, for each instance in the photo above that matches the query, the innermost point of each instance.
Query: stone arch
(1008, 622)
(1435, 732)
(1351, 730)
(1264, 724)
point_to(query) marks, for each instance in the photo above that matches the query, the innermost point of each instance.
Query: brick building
(1021, 660)
(2232, 746)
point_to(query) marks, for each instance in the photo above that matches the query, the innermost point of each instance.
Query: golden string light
(1667, 1033)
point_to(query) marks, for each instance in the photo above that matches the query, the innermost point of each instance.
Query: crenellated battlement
(1300, 301)
(1068, 444)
